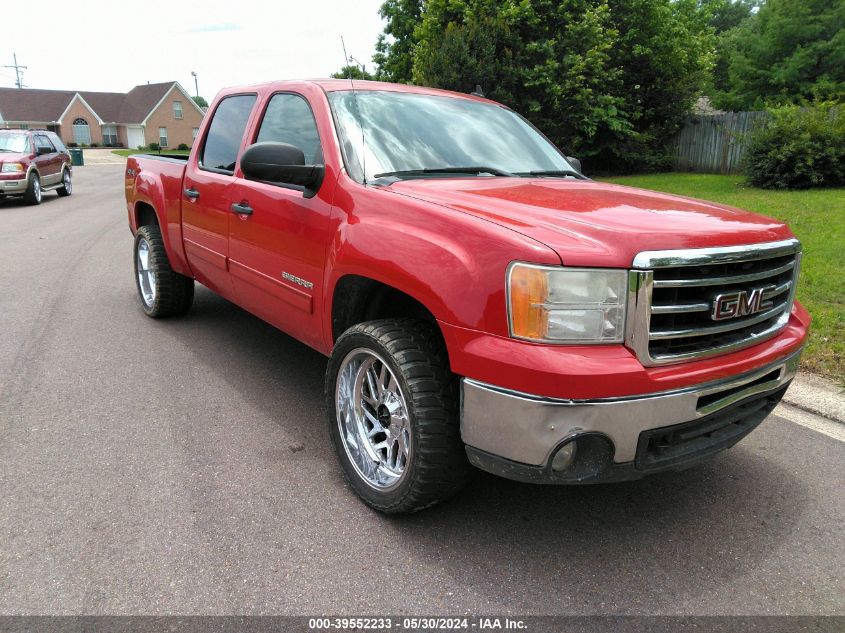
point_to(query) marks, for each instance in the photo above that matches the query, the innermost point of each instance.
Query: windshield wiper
(479, 169)
(554, 172)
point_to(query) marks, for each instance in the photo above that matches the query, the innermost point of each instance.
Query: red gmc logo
(739, 304)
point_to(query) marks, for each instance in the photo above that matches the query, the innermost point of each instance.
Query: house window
(194, 133)
(81, 132)
(24, 126)
(177, 109)
(109, 135)
(162, 137)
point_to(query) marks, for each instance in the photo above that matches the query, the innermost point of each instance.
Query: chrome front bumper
(13, 187)
(527, 430)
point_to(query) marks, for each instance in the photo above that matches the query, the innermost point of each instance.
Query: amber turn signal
(529, 290)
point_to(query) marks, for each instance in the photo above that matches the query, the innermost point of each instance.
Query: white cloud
(113, 46)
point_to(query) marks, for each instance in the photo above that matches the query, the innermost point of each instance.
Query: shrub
(183, 146)
(94, 145)
(155, 147)
(798, 148)
(73, 144)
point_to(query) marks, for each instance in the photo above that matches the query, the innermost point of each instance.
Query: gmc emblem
(739, 304)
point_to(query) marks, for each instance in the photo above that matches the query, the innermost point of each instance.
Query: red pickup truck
(480, 300)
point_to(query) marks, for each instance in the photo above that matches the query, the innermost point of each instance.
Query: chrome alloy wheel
(36, 189)
(66, 182)
(372, 418)
(146, 276)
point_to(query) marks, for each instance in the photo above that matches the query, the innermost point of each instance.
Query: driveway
(183, 467)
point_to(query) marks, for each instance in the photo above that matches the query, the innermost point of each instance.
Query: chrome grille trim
(713, 281)
(642, 338)
(656, 335)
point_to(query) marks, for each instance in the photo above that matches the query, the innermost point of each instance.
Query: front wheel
(393, 415)
(33, 189)
(163, 292)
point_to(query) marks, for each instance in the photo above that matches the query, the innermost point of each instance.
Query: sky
(112, 46)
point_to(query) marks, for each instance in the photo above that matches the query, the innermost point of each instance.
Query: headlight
(7, 167)
(567, 305)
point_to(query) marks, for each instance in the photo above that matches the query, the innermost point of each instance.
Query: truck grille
(672, 305)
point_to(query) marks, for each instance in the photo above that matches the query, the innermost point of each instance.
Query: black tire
(67, 186)
(33, 192)
(437, 466)
(173, 293)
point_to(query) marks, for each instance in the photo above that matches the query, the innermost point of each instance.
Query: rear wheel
(67, 187)
(393, 415)
(163, 292)
(33, 189)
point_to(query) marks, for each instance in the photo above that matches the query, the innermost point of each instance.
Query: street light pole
(196, 84)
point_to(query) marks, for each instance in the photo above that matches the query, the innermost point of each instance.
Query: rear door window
(220, 151)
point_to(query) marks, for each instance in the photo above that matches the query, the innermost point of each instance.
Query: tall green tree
(789, 51)
(610, 79)
(725, 15)
(394, 56)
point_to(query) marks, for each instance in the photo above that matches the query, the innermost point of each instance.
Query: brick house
(161, 113)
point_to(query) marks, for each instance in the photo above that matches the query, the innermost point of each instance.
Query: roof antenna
(357, 110)
(477, 92)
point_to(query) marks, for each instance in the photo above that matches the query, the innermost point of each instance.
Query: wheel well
(357, 299)
(145, 215)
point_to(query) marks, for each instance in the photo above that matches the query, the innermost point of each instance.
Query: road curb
(816, 395)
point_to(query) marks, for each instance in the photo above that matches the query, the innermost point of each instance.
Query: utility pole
(18, 69)
(196, 83)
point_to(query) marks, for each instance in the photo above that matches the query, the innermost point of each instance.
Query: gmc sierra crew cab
(480, 300)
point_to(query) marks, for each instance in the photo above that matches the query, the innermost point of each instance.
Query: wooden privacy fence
(715, 143)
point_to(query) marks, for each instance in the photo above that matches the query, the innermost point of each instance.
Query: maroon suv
(31, 162)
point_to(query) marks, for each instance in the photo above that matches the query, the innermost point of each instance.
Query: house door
(135, 137)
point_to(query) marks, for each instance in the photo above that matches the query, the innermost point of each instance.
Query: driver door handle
(193, 194)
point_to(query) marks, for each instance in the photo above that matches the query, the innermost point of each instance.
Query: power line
(18, 69)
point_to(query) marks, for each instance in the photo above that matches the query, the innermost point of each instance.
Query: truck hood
(13, 157)
(589, 223)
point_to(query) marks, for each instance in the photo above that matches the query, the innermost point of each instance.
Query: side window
(225, 133)
(288, 119)
(57, 142)
(42, 142)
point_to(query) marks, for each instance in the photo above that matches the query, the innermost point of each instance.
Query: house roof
(33, 105)
(41, 106)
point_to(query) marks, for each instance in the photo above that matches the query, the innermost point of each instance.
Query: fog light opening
(565, 457)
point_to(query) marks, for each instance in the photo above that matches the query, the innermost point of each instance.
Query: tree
(352, 71)
(664, 54)
(725, 15)
(610, 79)
(729, 14)
(787, 52)
(200, 101)
(395, 46)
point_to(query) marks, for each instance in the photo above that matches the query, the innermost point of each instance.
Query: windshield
(411, 132)
(14, 143)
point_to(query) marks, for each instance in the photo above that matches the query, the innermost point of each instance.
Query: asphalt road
(183, 467)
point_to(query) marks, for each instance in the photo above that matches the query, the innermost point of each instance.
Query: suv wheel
(33, 189)
(67, 187)
(393, 415)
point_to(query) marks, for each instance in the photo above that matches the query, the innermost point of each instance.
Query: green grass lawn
(817, 218)
(129, 152)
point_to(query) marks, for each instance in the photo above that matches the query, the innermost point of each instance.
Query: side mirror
(281, 163)
(575, 163)
(43, 150)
